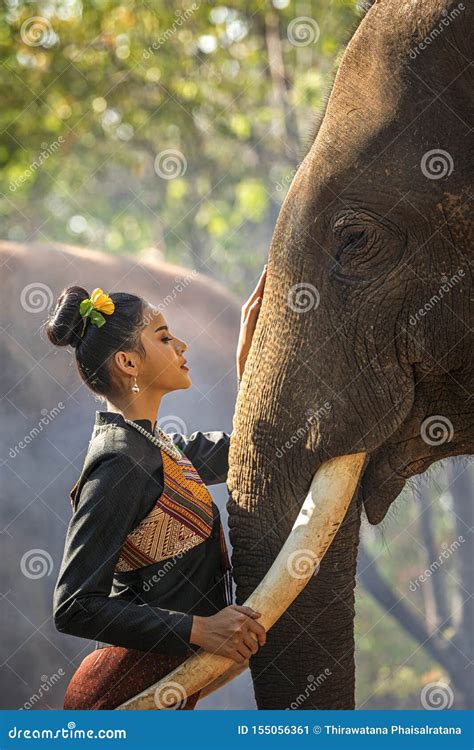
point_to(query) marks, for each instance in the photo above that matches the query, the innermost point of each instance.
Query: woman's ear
(125, 363)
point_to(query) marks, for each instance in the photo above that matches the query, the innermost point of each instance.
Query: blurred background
(148, 147)
(161, 128)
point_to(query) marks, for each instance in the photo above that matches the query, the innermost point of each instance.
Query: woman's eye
(167, 338)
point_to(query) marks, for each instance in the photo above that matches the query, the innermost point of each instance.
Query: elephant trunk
(319, 519)
(308, 659)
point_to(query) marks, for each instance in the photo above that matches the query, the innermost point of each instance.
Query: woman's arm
(208, 452)
(248, 320)
(107, 509)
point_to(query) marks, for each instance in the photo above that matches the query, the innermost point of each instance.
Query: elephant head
(361, 359)
(362, 343)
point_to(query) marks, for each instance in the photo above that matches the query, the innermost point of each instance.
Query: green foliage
(129, 125)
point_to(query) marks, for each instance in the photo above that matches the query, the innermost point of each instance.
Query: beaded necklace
(159, 438)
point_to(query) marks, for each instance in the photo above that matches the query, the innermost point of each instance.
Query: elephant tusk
(321, 514)
(224, 678)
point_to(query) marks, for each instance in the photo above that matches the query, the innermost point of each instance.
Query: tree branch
(434, 643)
(437, 610)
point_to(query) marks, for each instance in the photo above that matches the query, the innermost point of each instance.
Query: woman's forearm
(124, 623)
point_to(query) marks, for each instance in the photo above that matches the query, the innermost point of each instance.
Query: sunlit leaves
(123, 82)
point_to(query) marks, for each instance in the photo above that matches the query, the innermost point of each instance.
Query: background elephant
(364, 338)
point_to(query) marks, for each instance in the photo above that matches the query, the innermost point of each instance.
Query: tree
(436, 609)
(129, 126)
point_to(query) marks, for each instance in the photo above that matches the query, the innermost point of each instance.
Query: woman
(145, 570)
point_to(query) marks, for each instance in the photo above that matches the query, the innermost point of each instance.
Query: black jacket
(151, 608)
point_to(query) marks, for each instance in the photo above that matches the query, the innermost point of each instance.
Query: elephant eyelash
(355, 240)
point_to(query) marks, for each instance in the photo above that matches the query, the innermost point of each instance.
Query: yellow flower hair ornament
(92, 308)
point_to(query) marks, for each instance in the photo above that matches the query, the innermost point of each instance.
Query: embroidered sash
(181, 518)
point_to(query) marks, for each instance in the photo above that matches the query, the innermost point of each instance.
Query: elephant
(363, 342)
(362, 358)
(362, 353)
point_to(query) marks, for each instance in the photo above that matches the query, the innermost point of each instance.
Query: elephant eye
(364, 245)
(350, 235)
(354, 244)
(353, 239)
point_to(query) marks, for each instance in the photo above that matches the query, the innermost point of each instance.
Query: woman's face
(162, 368)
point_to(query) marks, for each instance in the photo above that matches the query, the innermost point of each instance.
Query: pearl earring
(135, 387)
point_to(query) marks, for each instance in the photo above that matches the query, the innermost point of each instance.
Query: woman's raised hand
(248, 321)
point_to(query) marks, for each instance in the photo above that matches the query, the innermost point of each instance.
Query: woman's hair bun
(65, 324)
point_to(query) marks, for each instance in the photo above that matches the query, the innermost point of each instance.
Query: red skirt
(109, 676)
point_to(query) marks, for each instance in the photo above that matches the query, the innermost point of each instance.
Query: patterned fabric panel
(181, 518)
